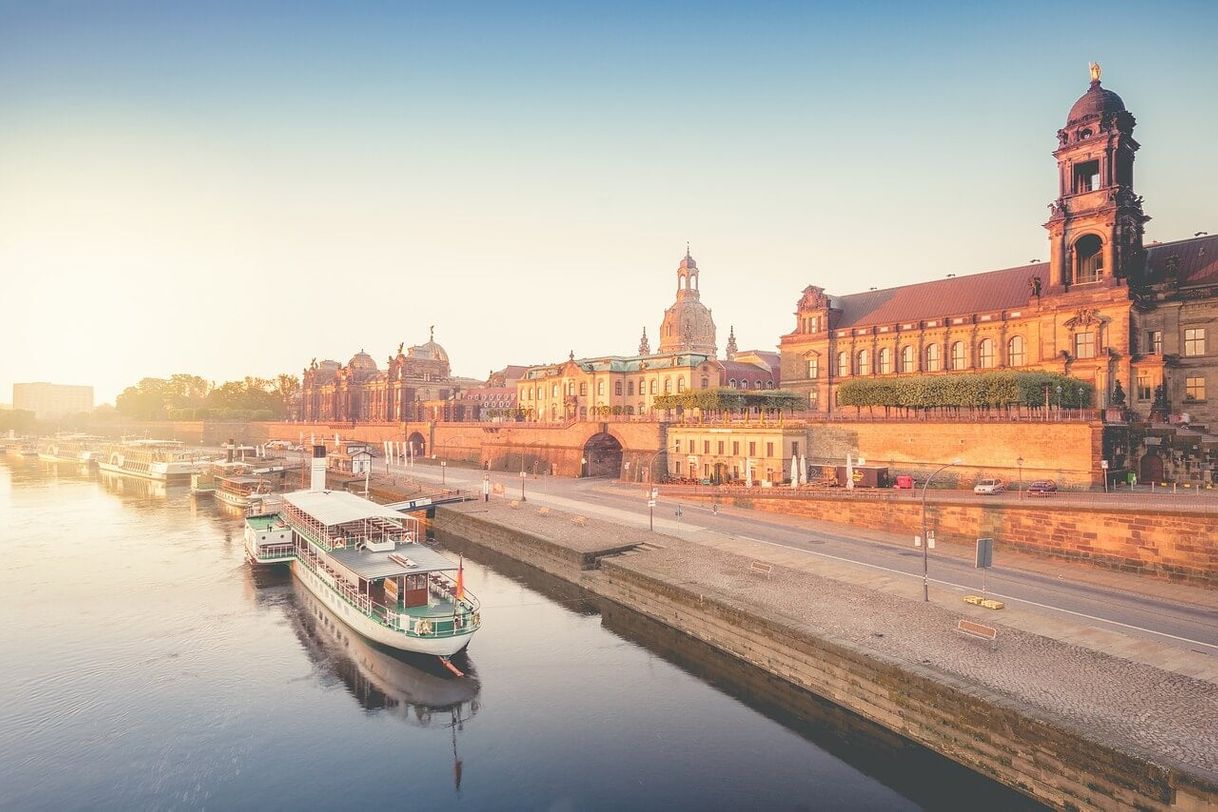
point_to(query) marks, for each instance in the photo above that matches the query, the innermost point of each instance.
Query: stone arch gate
(602, 456)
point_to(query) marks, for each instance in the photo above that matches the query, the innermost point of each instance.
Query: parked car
(1042, 487)
(989, 486)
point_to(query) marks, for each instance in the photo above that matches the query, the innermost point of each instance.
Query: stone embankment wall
(1061, 762)
(1180, 543)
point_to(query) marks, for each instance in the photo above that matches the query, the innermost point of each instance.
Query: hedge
(998, 389)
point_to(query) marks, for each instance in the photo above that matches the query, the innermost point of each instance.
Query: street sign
(655, 494)
(651, 503)
(985, 553)
(1104, 464)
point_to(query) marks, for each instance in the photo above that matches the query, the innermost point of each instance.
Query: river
(146, 666)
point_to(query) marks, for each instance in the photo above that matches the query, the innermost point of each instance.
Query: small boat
(162, 460)
(240, 491)
(365, 562)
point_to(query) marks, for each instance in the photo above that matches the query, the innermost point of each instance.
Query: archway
(1150, 469)
(602, 456)
(416, 445)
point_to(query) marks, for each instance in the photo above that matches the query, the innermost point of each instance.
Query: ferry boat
(163, 460)
(20, 447)
(79, 449)
(365, 563)
(240, 491)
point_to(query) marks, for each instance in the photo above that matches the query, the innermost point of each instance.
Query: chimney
(229, 449)
(317, 471)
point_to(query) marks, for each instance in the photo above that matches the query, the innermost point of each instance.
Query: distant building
(51, 400)
(596, 388)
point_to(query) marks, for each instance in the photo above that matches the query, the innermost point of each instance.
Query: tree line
(190, 397)
(1005, 389)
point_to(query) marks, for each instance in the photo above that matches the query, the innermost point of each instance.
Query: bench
(978, 630)
(582, 521)
(761, 568)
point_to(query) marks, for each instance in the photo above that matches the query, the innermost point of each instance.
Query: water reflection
(415, 689)
(136, 487)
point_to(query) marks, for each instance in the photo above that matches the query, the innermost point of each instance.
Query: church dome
(362, 360)
(430, 351)
(1095, 102)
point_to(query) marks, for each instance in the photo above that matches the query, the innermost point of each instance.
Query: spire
(431, 336)
(644, 344)
(731, 342)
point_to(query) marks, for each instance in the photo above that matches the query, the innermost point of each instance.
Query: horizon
(228, 192)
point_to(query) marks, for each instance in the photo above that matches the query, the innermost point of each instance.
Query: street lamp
(925, 538)
(1019, 487)
(443, 472)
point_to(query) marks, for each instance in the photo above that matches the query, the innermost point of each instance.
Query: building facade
(1136, 321)
(51, 400)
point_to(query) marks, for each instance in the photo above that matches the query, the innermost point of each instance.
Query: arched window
(864, 365)
(932, 358)
(1088, 259)
(985, 353)
(907, 359)
(1015, 356)
(731, 382)
(554, 390)
(705, 382)
(884, 361)
(668, 386)
(958, 355)
(843, 364)
(653, 386)
(680, 384)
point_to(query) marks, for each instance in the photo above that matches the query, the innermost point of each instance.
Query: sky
(232, 189)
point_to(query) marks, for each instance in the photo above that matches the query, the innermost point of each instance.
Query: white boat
(364, 562)
(241, 491)
(80, 449)
(163, 460)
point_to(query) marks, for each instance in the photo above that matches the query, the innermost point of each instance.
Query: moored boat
(365, 562)
(163, 460)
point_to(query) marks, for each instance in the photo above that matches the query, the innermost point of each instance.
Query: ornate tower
(644, 344)
(730, 349)
(688, 326)
(1096, 224)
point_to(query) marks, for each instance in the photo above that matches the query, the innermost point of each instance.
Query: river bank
(1068, 725)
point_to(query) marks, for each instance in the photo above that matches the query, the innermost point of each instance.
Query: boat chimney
(317, 471)
(229, 450)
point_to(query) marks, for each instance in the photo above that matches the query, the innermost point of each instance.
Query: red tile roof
(1197, 264)
(976, 293)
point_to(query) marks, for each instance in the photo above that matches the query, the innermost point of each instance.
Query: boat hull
(369, 628)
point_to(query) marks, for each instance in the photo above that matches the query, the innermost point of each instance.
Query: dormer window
(1086, 177)
(1084, 134)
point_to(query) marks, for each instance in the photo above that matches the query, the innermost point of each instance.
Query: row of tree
(190, 397)
(726, 399)
(988, 390)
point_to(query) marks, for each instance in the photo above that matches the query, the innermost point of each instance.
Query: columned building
(1105, 308)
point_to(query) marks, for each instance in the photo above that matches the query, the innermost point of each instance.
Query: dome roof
(431, 350)
(362, 360)
(1095, 102)
(688, 262)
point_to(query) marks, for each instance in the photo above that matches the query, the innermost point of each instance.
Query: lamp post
(443, 473)
(925, 538)
(1019, 487)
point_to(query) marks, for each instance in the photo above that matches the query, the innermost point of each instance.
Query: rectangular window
(706, 446)
(1194, 388)
(617, 388)
(752, 449)
(1143, 385)
(1084, 345)
(720, 448)
(677, 445)
(1086, 176)
(769, 449)
(630, 388)
(735, 448)
(583, 389)
(813, 399)
(1156, 342)
(813, 368)
(1194, 341)
(795, 448)
(678, 469)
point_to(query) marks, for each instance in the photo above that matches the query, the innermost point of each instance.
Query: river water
(146, 666)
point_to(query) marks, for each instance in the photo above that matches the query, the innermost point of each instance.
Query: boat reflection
(132, 486)
(416, 688)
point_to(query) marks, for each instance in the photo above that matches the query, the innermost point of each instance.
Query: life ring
(340, 544)
(422, 627)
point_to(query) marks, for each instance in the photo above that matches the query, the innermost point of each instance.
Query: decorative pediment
(813, 298)
(1085, 317)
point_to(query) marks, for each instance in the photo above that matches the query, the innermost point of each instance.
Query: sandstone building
(1105, 308)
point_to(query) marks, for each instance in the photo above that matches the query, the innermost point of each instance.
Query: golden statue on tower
(1095, 71)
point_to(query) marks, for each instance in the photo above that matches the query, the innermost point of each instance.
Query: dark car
(1042, 487)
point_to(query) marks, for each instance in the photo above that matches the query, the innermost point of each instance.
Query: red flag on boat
(461, 578)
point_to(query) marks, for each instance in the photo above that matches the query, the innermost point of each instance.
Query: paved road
(1183, 617)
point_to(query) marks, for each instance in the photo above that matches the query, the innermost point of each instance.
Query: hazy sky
(215, 189)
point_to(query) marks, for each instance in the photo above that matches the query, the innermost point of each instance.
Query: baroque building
(1135, 320)
(612, 385)
(361, 392)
